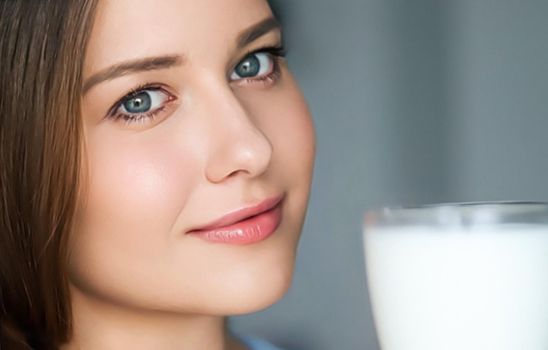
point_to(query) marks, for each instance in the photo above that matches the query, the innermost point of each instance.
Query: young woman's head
(156, 162)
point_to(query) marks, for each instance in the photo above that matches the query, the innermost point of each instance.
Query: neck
(97, 324)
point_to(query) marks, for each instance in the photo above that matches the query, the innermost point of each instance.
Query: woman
(156, 163)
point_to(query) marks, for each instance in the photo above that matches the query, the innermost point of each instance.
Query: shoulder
(254, 343)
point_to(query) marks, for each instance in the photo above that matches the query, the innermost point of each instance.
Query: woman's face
(189, 116)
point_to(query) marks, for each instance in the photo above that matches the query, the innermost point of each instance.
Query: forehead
(132, 29)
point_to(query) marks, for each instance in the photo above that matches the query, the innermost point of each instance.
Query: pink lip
(244, 226)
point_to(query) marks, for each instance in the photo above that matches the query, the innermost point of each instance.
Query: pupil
(249, 68)
(139, 103)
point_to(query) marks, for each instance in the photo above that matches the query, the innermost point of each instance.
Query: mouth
(244, 226)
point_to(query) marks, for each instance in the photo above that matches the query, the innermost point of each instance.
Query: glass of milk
(468, 276)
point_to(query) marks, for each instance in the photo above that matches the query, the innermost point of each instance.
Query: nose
(237, 145)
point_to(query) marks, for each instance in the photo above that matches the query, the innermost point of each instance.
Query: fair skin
(217, 142)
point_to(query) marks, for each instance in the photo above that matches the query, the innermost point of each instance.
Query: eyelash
(277, 53)
(113, 113)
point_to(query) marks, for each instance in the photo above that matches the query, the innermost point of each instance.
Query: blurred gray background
(414, 102)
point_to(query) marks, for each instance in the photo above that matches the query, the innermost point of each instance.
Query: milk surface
(484, 287)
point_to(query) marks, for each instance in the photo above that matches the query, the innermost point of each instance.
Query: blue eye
(142, 105)
(254, 65)
(144, 101)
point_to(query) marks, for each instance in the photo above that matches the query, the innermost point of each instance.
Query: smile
(245, 226)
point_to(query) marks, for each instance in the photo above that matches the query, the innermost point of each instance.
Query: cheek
(135, 194)
(283, 116)
(147, 181)
(297, 143)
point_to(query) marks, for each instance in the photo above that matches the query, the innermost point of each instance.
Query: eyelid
(276, 50)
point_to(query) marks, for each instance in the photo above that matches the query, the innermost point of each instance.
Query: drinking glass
(465, 276)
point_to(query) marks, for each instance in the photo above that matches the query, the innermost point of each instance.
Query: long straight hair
(42, 47)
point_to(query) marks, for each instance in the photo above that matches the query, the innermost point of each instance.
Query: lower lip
(254, 229)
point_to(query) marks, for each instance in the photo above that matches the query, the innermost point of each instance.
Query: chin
(258, 299)
(253, 291)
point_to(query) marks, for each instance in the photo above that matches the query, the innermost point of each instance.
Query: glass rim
(459, 214)
(461, 204)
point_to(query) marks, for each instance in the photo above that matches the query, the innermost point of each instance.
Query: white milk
(460, 289)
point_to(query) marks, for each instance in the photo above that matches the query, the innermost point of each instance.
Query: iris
(139, 103)
(249, 67)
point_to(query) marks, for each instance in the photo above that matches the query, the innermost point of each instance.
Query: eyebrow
(246, 37)
(132, 66)
(257, 30)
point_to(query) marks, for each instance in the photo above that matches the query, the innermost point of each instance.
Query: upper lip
(241, 214)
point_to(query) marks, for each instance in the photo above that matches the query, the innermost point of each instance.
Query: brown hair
(42, 46)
